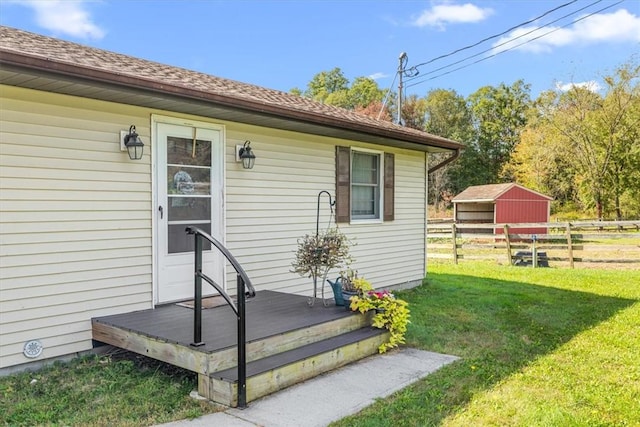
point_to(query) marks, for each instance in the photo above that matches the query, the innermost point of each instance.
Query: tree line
(580, 146)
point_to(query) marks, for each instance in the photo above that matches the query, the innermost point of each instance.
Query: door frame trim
(161, 119)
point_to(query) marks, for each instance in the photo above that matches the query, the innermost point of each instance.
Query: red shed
(502, 203)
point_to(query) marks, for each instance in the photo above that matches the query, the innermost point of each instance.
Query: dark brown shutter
(343, 184)
(389, 190)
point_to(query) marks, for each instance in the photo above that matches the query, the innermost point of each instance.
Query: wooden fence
(563, 244)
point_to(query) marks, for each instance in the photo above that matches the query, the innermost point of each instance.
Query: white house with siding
(85, 231)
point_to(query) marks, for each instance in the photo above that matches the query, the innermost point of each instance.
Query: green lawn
(121, 389)
(543, 347)
(539, 347)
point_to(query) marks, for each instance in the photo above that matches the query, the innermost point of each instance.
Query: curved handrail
(244, 290)
(232, 260)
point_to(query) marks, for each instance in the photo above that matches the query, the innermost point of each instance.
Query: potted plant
(317, 254)
(389, 312)
(344, 287)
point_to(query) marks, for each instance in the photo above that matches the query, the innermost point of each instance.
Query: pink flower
(380, 294)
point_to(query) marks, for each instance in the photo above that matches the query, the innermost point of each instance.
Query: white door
(189, 172)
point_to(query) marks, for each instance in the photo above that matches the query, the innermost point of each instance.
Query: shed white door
(189, 172)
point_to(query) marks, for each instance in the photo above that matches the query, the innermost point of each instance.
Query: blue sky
(283, 44)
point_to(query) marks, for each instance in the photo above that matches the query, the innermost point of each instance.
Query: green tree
(600, 134)
(365, 91)
(446, 114)
(326, 83)
(538, 161)
(499, 116)
(585, 146)
(414, 112)
(620, 120)
(332, 88)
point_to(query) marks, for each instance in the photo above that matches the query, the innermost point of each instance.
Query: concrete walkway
(332, 396)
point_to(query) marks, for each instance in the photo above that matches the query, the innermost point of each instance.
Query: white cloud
(376, 76)
(591, 85)
(619, 26)
(446, 13)
(66, 17)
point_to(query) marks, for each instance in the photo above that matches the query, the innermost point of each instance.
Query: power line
(506, 42)
(511, 48)
(494, 36)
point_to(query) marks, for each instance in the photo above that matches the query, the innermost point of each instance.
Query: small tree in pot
(318, 254)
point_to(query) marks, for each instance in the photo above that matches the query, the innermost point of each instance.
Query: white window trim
(380, 218)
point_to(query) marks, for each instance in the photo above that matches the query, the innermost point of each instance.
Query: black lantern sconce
(245, 155)
(131, 143)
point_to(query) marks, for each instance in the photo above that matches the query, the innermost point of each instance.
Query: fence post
(570, 244)
(506, 235)
(455, 245)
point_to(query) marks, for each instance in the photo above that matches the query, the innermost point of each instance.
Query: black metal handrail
(244, 290)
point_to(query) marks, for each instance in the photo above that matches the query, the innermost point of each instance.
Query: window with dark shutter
(366, 177)
(358, 188)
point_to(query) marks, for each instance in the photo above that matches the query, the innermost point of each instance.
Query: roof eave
(22, 60)
(473, 201)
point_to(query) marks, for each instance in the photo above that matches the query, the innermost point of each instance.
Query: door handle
(161, 210)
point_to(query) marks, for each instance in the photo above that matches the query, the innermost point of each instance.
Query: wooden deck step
(288, 341)
(273, 373)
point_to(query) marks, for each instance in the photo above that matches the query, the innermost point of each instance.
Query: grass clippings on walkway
(543, 347)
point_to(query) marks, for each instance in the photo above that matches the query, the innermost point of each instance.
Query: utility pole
(402, 61)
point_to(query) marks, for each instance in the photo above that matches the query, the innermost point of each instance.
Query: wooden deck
(269, 313)
(285, 338)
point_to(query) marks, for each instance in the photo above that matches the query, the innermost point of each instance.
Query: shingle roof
(34, 51)
(488, 193)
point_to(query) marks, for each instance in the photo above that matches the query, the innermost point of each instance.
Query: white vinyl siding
(275, 203)
(270, 206)
(392, 253)
(75, 220)
(76, 215)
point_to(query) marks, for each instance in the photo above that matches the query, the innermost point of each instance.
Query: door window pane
(189, 208)
(188, 180)
(188, 191)
(181, 151)
(180, 241)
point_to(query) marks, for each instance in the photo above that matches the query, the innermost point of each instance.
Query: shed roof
(39, 62)
(490, 193)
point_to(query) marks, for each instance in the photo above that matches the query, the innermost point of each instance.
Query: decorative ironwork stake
(332, 203)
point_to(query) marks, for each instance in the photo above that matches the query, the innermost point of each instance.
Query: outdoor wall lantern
(131, 143)
(245, 155)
